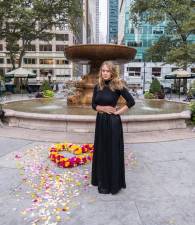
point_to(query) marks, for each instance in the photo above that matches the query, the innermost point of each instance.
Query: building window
(60, 48)
(45, 72)
(9, 61)
(134, 71)
(156, 71)
(1, 71)
(74, 40)
(45, 61)
(137, 60)
(62, 37)
(45, 48)
(16, 47)
(31, 48)
(1, 47)
(132, 30)
(1, 60)
(62, 27)
(192, 70)
(134, 43)
(61, 61)
(29, 61)
(175, 68)
(157, 31)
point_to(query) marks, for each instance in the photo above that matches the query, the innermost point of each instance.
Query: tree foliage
(179, 17)
(156, 89)
(158, 51)
(155, 86)
(22, 21)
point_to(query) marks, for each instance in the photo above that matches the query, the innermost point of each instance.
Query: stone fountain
(94, 55)
(76, 122)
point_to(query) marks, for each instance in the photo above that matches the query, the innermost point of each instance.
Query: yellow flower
(74, 149)
(78, 151)
(58, 218)
(58, 147)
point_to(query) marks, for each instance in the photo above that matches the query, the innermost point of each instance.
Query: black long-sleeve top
(107, 97)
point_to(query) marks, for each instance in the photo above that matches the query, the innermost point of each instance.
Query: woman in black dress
(108, 172)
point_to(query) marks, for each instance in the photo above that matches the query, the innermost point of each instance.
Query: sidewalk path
(159, 174)
(51, 136)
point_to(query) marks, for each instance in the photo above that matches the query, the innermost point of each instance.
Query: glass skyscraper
(112, 21)
(141, 37)
(139, 73)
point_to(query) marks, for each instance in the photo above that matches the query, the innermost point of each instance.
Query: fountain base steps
(86, 124)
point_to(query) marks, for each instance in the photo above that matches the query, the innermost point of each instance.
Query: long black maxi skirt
(108, 170)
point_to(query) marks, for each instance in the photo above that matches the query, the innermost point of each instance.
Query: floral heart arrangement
(82, 154)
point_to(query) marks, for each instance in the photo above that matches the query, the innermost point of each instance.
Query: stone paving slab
(162, 212)
(15, 149)
(160, 187)
(177, 177)
(187, 205)
(10, 179)
(10, 212)
(112, 212)
(51, 136)
(8, 145)
(165, 151)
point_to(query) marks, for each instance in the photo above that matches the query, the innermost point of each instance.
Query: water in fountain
(59, 106)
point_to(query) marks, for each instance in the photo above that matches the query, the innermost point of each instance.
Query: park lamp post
(144, 75)
(49, 78)
(0, 88)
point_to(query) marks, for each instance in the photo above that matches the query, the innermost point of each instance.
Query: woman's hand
(106, 109)
(121, 110)
(116, 113)
(109, 109)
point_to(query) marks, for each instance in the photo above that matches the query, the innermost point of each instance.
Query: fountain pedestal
(94, 55)
(84, 88)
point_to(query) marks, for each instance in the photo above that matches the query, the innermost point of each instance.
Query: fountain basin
(90, 53)
(59, 105)
(86, 123)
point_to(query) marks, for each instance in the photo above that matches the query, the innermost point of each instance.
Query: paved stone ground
(160, 183)
(51, 136)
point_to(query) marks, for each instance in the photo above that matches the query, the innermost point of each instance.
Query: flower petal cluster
(82, 154)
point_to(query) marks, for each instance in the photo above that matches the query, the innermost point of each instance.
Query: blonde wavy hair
(115, 83)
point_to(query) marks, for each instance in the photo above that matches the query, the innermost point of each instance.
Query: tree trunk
(13, 62)
(22, 53)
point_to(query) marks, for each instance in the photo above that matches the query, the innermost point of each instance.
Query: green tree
(22, 21)
(155, 86)
(158, 51)
(174, 46)
(156, 90)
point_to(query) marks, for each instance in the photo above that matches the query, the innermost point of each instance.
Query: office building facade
(113, 6)
(47, 59)
(91, 21)
(139, 73)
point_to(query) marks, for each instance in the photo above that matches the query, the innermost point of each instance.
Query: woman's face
(106, 73)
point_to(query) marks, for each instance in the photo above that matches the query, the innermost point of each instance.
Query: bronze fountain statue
(94, 55)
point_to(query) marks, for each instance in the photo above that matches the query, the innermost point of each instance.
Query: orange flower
(77, 150)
